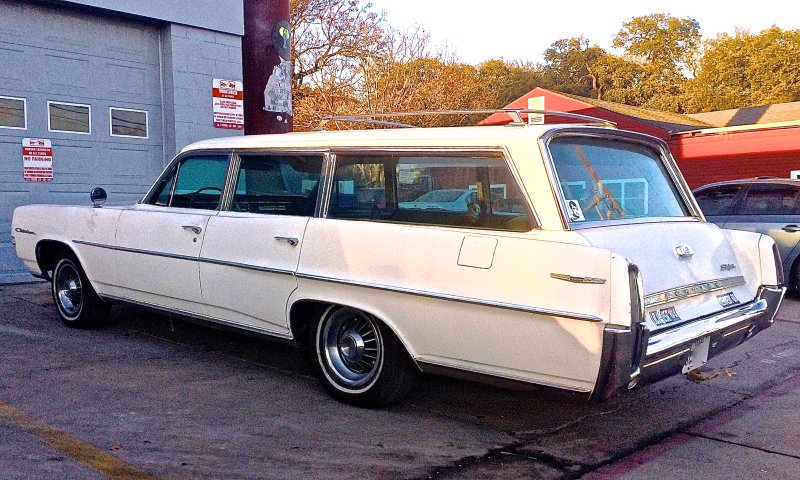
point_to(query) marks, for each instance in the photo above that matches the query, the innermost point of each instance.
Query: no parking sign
(228, 100)
(37, 160)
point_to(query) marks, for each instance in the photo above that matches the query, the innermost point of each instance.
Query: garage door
(91, 85)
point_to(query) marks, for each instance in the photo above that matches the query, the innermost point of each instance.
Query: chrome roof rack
(514, 113)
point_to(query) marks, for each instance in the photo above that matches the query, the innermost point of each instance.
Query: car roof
(751, 181)
(473, 136)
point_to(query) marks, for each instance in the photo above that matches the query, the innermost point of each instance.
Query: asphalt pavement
(150, 396)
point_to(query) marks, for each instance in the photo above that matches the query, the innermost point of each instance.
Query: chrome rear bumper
(634, 357)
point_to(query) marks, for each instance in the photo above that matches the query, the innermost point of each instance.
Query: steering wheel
(199, 190)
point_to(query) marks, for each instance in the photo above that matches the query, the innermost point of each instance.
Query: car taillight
(778, 264)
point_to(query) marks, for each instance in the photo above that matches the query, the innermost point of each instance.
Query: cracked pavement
(162, 398)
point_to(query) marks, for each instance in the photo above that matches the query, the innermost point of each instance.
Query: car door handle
(194, 228)
(791, 228)
(290, 240)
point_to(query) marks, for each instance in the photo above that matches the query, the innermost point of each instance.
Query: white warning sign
(228, 96)
(37, 160)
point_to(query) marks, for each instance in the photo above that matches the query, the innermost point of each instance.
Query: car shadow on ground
(532, 410)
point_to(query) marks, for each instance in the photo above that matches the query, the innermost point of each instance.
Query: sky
(524, 29)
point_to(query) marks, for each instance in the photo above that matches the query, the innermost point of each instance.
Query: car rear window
(605, 179)
(717, 201)
(769, 200)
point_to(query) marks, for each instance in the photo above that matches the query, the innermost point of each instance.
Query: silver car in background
(770, 206)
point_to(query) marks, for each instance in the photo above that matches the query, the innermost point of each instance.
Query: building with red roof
(708, 147)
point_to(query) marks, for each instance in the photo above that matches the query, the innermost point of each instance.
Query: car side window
(717, 201)
(769, 200)
(278, 184)
(196, 182)
(458, 191)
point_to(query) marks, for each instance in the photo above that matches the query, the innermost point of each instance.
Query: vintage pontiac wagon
(581, 262)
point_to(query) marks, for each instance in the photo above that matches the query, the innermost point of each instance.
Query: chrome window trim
(684, 192)
(236, 160)
(326, 188)
(177, 163)
(190, 258)
(232, 153)
(455, 298)
(231, 179)
(481, 152)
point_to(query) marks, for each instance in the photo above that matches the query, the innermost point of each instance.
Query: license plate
(698, 355)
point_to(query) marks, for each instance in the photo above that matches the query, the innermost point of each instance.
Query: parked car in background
(584, 263)
(453, 200)
(765, 205)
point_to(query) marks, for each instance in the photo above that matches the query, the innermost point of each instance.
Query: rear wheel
(360, 361)
(76, 301)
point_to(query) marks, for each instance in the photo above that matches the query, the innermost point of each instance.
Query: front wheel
(76, 301)
(361, 362)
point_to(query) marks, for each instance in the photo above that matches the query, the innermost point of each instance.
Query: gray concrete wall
(191, 59)
(220, 15)
(99, 61)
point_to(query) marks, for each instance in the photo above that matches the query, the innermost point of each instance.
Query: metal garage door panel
(54, 54)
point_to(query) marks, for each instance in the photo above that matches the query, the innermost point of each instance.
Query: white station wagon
(581, 262)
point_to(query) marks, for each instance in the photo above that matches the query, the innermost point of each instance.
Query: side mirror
(98, 196)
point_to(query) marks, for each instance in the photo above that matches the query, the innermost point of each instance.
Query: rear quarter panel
(493, 319)
(70, 226)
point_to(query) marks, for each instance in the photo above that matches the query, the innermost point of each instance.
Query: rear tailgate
(689, 269)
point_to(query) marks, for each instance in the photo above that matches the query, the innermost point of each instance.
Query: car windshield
(605, 180)
(440, 196)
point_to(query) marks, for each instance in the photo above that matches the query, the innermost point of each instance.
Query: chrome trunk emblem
(683, 251)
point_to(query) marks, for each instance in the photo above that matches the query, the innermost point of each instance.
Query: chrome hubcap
(68, 290)
(351, 346)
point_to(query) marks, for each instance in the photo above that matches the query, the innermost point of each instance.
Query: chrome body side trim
(692, 290)
(572, 279)
(245, 266)
(456, 298)
(189, 258)
(136, 250)
(203, 318)
(496, 380)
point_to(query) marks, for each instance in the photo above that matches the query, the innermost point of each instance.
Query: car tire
(794, 280)
(359, 360)
(77, 303)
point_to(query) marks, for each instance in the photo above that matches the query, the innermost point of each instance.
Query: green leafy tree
(666, 48)
(507, 81)
(745, 69)
(572, 66)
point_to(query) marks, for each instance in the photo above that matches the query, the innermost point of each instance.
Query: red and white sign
(228, 96)
(37, 160)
